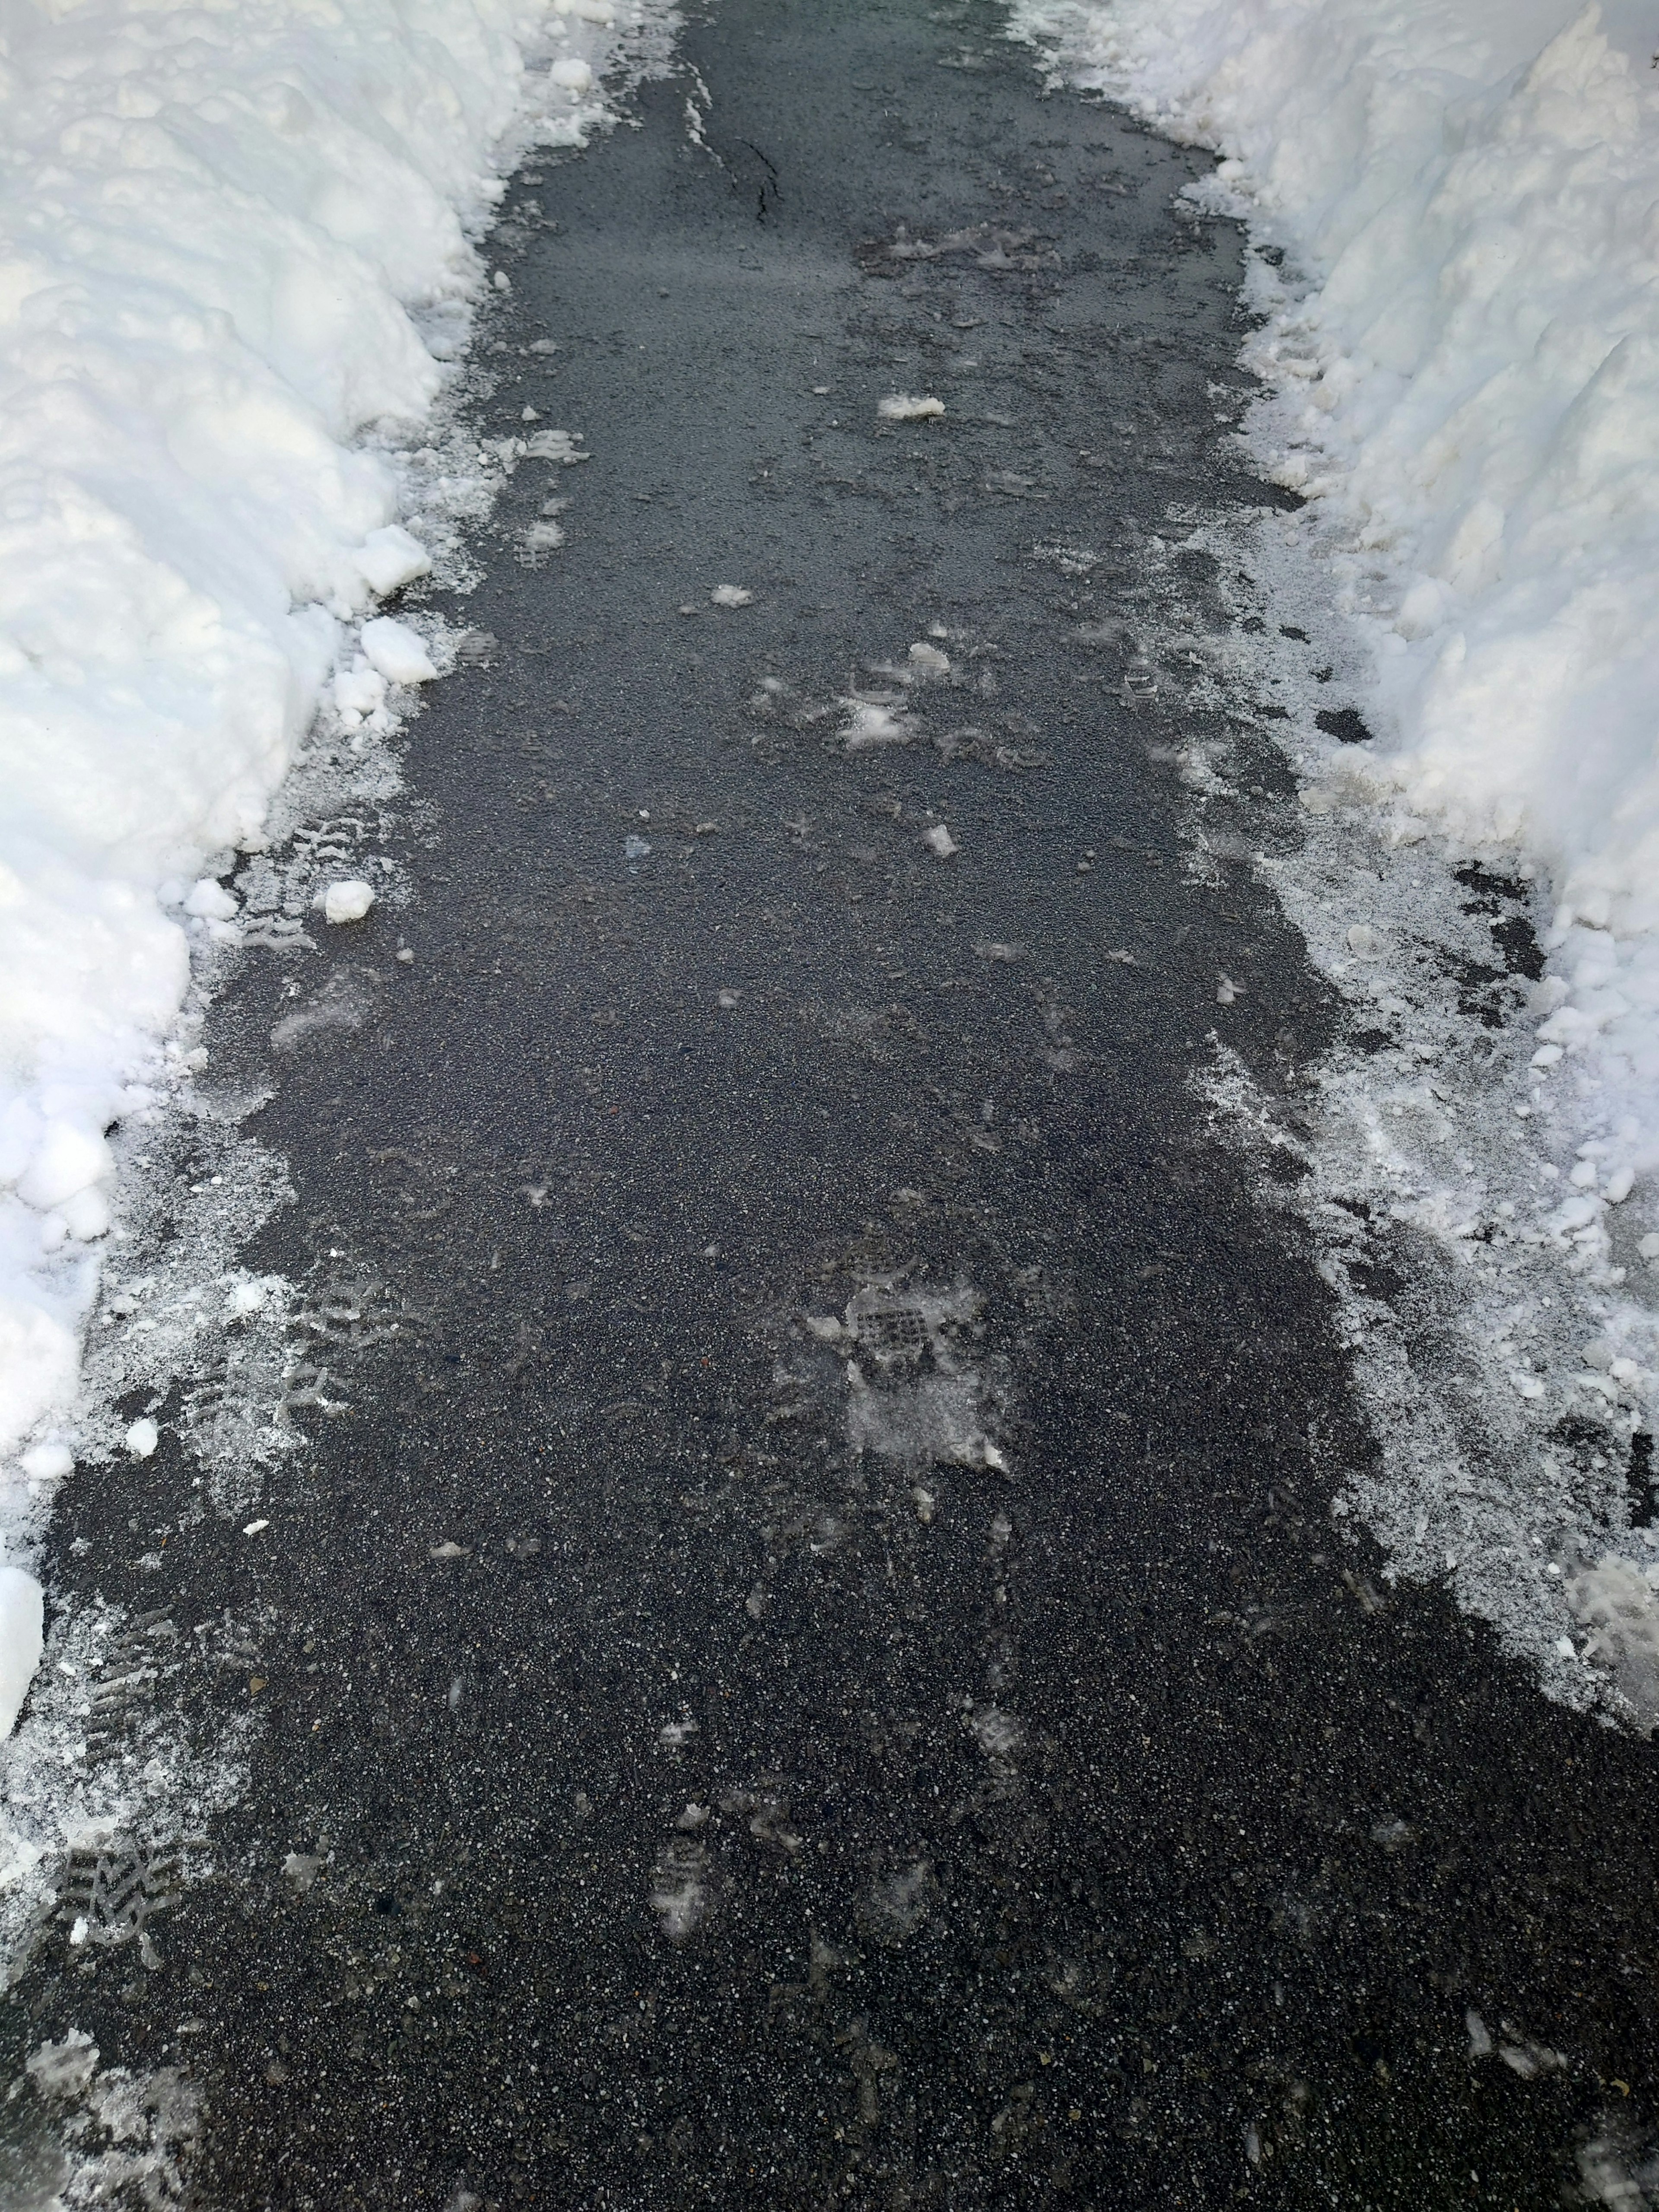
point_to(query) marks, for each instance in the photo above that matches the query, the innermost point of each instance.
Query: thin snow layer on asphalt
(1449, 203)
(240, 249)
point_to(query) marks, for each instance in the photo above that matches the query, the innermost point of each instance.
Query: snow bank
(231, 240)
(1464, 346)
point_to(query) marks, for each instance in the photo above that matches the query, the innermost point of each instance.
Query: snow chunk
(940, 842)
(731, 595)
(389, 558)
(359, 689)
(63, 2069)
(909, 407)
(39, 1357)
(48, 1462)
(571, 75)
(396, 651)
(210, 901)
(347, 901)
(85, 1217)
(143, 1437)
(22, 1639)
(559, 446)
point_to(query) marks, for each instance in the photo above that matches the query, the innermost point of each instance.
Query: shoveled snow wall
(1461, 351)
(221, 228)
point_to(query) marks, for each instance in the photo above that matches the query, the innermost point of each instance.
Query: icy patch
(899, 1901)
(1618, 2169)
(909, 407)
(62, 2070)
(1619, 1603)
(871, 725)
(997, 1734)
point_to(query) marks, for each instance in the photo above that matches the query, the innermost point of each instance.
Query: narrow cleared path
(814, 1666)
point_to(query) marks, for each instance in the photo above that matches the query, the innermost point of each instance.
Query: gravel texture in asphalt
(813, 1665)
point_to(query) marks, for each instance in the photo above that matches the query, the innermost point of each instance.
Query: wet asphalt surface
(888, 1720)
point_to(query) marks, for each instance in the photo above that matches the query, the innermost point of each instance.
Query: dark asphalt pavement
(814, 1666)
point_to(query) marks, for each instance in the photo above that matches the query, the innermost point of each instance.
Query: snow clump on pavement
(347, 901)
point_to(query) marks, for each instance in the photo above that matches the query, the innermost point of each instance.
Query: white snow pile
(235, 245)
(1452, 205)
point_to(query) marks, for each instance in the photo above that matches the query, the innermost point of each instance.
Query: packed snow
(1450, 210)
